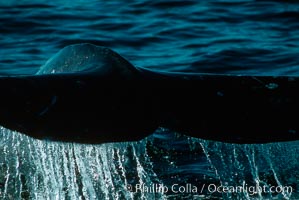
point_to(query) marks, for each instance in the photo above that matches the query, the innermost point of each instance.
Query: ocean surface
(215, 36)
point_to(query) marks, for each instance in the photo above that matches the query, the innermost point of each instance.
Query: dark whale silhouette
(90, 94)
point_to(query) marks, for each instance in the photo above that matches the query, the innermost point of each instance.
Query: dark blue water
(219, 36)
(215, 36)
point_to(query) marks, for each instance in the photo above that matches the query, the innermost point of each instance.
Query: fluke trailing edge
(96, 96)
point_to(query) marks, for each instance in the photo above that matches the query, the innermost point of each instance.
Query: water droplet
(221, 94)
(272, 86)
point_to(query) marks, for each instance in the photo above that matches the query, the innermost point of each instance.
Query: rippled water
(217, 36)
(220, 36)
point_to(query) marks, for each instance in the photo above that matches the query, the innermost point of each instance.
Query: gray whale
(90, 94)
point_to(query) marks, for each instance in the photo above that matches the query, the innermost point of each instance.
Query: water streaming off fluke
(34, 169)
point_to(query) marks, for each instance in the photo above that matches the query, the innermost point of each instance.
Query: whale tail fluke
(89, 58)
(91, 94)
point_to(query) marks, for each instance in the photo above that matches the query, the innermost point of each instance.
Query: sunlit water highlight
(34, 169)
